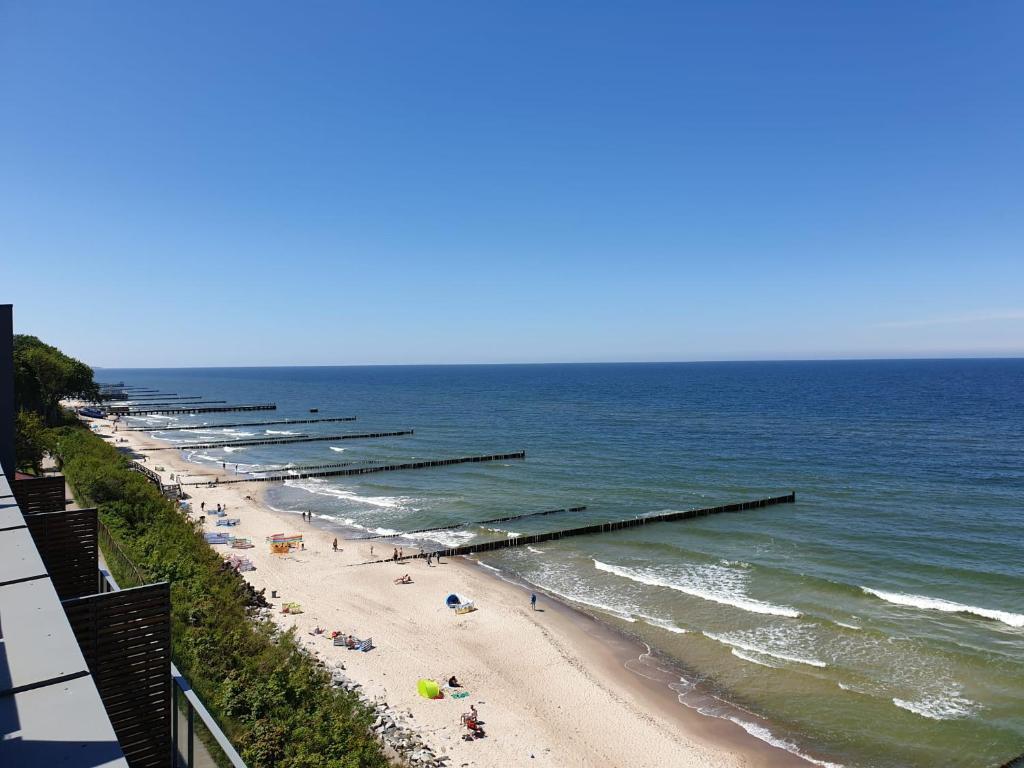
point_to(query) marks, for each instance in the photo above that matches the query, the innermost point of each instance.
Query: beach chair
(228, 521)
(364, 645)
(242, 543)
(216, 537)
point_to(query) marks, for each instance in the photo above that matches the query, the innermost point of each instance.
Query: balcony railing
(190, 751)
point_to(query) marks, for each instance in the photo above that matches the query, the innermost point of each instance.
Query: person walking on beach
(395, 555)
(335, 543)
(202, 506)
(533, 600)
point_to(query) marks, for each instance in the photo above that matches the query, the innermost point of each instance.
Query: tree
(43, 376)
(31, 441)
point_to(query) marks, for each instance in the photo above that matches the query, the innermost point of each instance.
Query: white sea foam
(535, 550)
(762, 733)
(575, 598)
(280, 432)
(848, 626)
(668, 626)
(336, 448)
(947, 706)
(713, 583)
(322, 488)
(753, 658)
(379, 531)
(229, 449)
(746, 645)
(444, 538)
(946, 606)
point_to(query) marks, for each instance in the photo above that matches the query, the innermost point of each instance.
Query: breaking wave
(714, 583)
(946, 606)
(947, 706)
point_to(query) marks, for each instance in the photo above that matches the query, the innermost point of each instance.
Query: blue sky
(255, 183)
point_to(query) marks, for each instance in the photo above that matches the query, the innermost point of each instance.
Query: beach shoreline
(555, 687)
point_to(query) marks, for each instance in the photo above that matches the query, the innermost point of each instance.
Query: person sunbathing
(404, 580)
(453, 683)
(350, 642)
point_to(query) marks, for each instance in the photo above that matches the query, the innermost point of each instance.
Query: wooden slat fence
(126, 640)
(40, 494)
(67, 542)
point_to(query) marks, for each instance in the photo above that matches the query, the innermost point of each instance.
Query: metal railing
(183, 697)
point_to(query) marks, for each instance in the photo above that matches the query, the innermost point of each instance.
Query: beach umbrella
(428, 689)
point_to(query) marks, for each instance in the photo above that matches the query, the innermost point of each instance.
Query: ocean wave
(946, 606)
(336, 448)
(320, 487)
(734, 643)
(444, 538)
(280, 432)
(950, 706)
(535, 550)
(379, 531)
(204, 457)
(762, 733)
(229, 449)
(848, 626)
(668, 626)
(720, 585)
(753, 659)
(603, 607)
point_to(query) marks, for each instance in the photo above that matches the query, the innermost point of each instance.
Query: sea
(878, 621)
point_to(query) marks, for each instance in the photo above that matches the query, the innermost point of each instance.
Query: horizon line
(577, 362)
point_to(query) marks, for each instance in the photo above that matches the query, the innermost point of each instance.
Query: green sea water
(877, 622)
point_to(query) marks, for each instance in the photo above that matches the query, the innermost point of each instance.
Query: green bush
(273, 701)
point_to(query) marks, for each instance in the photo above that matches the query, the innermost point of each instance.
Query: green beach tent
(428, 689)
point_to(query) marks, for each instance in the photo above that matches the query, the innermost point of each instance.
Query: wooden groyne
(132, 398)
(241, 424)
(633, 522)
(132, 406)
(282, 440)
(131, 402)
(207, 409)
(314, 467)
(467, 524)
(165, 395)
(369, 470)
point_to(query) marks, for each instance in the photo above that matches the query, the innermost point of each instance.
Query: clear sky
(256, 183)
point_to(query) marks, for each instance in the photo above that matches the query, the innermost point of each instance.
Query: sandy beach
(553, 687)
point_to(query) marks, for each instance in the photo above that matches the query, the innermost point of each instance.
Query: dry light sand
(550, 685)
